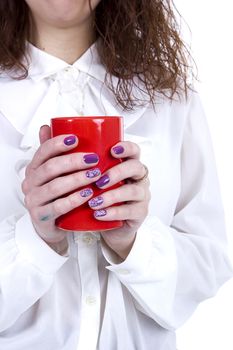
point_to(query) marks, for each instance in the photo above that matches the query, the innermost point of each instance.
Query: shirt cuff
(34, 249)
(153, 254)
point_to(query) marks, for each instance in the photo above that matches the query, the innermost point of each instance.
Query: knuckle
(72, 160)
(111, 197)
(25, 186)
(58, 207)
(137, 214)
(130, 212)
(133, 148)
(135, 191)
(136, 148)
(145, 211)
(141, 168)
(53, 187)
(49, 167)
(142, 193)
(76, 178)
(40, 152)
(117, 172)
(72, 201)
(117, 212)
(58, 142)
(27, 201)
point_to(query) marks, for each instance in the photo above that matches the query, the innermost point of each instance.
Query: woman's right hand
(46, 180)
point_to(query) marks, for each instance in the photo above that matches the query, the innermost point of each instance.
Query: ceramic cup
(96, 135)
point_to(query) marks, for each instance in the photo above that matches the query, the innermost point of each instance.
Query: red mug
(96, 135)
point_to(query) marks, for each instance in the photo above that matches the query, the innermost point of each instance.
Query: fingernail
(98, 213)
(93, 173)
(70, 140)
(118, 149)
(94, 202)
(86, 192)
(91, 158)
(104, 180)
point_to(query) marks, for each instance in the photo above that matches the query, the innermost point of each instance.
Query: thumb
(45, 133)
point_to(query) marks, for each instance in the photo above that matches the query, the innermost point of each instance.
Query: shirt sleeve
(171, 269)
(27, 267)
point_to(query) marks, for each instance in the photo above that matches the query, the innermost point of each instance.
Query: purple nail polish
(101, 212)
(91, 158)
(93, 173)
(86, 192)
(94, 202)
(118, 149)
(70, 140)
(104, 180)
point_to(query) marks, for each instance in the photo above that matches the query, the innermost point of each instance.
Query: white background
(211, 326)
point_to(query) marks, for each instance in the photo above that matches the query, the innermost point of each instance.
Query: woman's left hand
(134, 193)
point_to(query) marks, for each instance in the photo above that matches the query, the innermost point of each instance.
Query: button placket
(88, 240)
(87, 258)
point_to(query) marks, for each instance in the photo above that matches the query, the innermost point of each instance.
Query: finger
(131, 211)
(43, 215)
(56, 188)
(51, 148)
(124, 193)
(126, 149)
(45, 133)
(131, 168)
(67, 163)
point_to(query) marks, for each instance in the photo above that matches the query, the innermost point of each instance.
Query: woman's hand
(47, 179)
(134, 193)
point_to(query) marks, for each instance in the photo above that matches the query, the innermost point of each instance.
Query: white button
(90, 300)
(123, 272)
(88, 240)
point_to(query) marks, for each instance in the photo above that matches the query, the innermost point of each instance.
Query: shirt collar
(43, 65)
(28, 116)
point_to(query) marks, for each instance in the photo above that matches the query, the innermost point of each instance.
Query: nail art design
(101, 212)
(91, 158)
(118, 149)
(70, 140)
(104, 180)
(93, 173)
(94, 202)
(86, 192)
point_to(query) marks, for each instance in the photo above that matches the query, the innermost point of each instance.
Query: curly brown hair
(140, 44)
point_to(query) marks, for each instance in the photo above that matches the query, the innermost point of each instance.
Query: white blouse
(86, 300)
